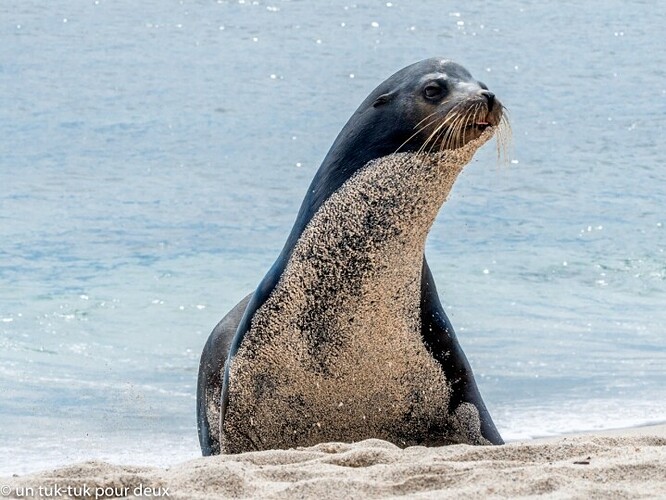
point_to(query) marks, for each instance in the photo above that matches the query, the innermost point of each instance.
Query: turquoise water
(153, 156)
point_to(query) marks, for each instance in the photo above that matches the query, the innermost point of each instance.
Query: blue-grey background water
(153, 156)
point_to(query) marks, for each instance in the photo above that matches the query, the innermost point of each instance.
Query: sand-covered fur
(336, 351)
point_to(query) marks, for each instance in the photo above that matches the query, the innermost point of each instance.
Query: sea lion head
(431, 106)
(427, 107)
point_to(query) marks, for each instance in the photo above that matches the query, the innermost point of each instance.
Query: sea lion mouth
(480, 126)
(483, 120)
(469, 121)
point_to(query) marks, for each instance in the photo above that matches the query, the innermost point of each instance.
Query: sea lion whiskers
(419, 130)
(426, 142)
(462, 132)
(458, 135)
(429, 139)
(441, 130)
(464, 115)
(450, 117)
(473, 115)
(446, 138)
(421, 121)
(458, 119)
(455, 117)
(438, 140)
(432, 134)
(437, 110)
(504, 134)
(450, 138)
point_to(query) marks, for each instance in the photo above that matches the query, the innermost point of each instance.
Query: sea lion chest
(336, 352)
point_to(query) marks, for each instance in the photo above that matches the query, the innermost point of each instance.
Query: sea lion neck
(351, 151)
(397, 195)
(334, 174)
(389, 205)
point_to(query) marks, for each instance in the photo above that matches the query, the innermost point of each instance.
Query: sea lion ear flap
(382, 99)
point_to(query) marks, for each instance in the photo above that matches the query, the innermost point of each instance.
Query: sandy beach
(628, 463)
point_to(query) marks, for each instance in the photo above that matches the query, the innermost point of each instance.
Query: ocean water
(153, 156)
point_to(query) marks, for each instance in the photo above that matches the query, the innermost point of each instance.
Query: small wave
(578, 417)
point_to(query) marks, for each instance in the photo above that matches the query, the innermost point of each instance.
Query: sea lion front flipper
(440, 339)
(211, 369)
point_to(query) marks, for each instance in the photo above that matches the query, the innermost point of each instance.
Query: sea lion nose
(490, 97)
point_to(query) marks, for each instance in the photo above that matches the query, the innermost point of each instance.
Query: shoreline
(653, 429)
(622, 463)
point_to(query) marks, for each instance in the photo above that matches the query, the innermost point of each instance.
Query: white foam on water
(147, 449)
(517, 424)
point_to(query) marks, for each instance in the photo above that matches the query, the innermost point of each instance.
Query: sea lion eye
(433, 91)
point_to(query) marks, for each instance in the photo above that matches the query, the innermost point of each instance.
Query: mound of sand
(628, 464)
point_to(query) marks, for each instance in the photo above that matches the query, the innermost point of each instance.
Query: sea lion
(345, 337)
